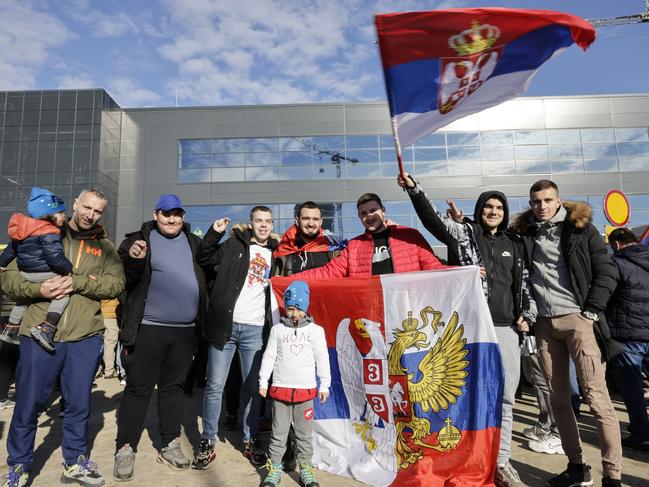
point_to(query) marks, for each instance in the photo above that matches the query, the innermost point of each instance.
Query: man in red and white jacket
(382, 249)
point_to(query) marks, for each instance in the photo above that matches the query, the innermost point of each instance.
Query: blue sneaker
(16, 477)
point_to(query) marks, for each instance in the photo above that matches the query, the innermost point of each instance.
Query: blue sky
(225, 52)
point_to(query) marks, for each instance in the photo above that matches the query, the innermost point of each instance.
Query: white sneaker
(549, 443)
(535, 432)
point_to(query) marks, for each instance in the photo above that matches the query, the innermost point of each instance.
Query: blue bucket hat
(297, 295)
(43, 202)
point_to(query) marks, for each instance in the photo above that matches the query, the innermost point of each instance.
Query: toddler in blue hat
(296, 349)
(37, 246)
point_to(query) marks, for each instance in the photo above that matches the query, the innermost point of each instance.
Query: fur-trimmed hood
(579, 213)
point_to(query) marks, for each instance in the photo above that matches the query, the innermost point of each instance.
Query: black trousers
(162, 355)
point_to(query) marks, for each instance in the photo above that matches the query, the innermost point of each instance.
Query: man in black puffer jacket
(572, 280)
(628, 312)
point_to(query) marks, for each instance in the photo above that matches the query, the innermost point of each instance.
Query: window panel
(532, 167)
(498, 167)
(601, 164)
(463, 153)
(194, 161)
(294, 143)
(531, 152)
(297, 172)
(268, 144)
(362, 141)
(391, 170)
(633, 148)
(229, 145)
(567, 165)
(194, 175)
(634, 163)
(386, 141)
(31, 117)
(565, 150)
(261, 173)
(431, 140)
(334, 142)
(462, 138)
(225, 175)
(48, 117)
(639, 201)
(361, 171)
(46, 150)
(597, 135)
(327, 171)
(563, 136)
(262, 159)
(234, 159)
(390, 155)
(639, 134)
(496, 137)
(600, 150)
(527, 137)
(363, 156)
(431, 168)
(296, 158)
(429, 155)
(199, 146)
(497, 152)
(464, 168)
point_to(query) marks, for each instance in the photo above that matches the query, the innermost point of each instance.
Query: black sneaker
(576, 475)
(9, 334)
(254, 452)
(44, 335)
(205, 455)
(609, 482)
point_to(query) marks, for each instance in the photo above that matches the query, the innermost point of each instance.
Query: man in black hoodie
(627, 313)
(238, 318)
(484, 242)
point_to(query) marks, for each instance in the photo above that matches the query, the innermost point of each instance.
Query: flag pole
(397, 145)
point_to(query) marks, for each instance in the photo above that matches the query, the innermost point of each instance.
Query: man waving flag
(444, 64)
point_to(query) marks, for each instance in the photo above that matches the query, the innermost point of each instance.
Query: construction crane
(627, 19)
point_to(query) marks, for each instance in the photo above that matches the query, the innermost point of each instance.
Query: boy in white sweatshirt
(296, 349)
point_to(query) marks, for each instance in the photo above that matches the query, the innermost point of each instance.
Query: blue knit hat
(42, 202)
(297, 295)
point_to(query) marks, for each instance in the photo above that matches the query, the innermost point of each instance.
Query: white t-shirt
(293, 354)
(250, 308)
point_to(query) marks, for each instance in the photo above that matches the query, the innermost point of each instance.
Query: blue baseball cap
(297, 295)
(168, 202)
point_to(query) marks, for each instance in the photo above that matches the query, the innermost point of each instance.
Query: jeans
(248, 340)
(627, 370)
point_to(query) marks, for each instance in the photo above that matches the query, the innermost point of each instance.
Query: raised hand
(221, 224)
(405, 181)
(454, 212)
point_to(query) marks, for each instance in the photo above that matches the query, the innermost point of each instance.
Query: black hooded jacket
(138, 278)
(628, 308)
(502, 255)
(230, 260)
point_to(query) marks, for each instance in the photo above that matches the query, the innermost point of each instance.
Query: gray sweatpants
(301, 415)
(511, 360)
(56, 306)
(534, 373)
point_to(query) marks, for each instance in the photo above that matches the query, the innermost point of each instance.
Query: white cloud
(78, 81)
(128, 94)
(27, 40)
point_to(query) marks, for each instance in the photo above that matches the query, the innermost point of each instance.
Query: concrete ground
(232, 470)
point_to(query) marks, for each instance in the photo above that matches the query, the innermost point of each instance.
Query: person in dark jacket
(485, 242)
(572, 280)
(628, 316)
(238, 318)
(165, 301)
(38, 249)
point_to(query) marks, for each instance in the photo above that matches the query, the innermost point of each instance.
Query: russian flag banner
(416, 393)
(445, 64)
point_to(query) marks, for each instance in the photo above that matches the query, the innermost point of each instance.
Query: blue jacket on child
(37, 246)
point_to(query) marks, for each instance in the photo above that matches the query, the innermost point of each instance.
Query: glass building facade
(222, 161)
(61, 140)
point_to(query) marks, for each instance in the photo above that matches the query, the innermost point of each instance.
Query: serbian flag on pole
(442, 65)
(416, 393)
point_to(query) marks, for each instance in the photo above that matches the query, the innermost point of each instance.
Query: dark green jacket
(97, 274)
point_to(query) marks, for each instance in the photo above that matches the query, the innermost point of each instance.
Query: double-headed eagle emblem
(390, 414)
